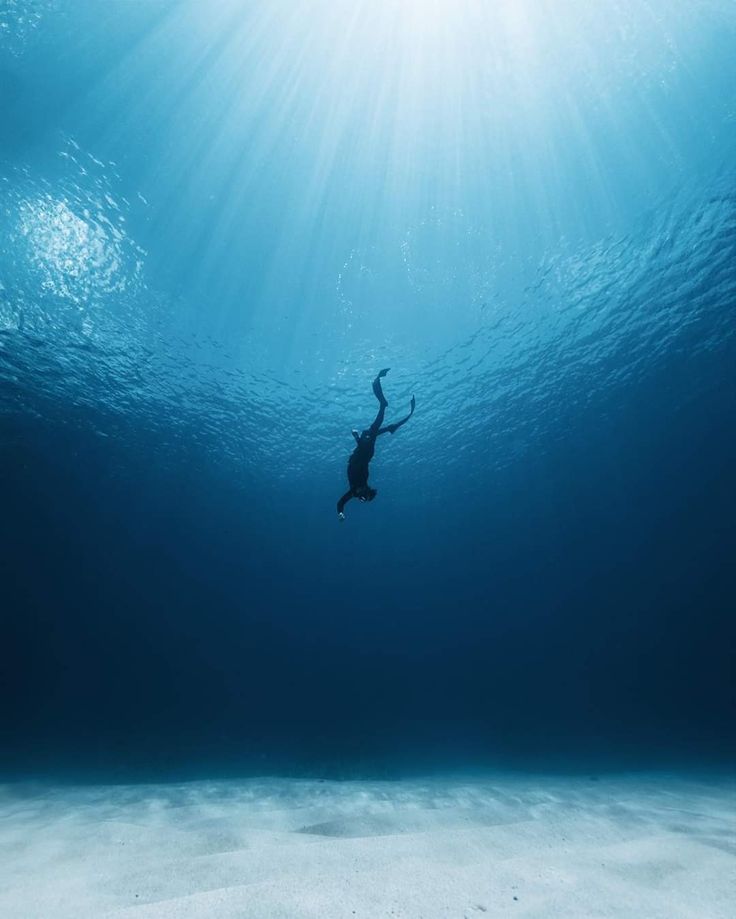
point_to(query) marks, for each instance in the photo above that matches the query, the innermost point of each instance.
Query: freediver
(366, 447)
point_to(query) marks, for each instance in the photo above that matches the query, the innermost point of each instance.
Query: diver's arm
(342, 502)
(356, 435)
(392, 428)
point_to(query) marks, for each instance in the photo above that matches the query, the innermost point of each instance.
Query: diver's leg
(393, 428)
(376, 426)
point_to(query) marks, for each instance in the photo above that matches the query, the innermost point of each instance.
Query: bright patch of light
(76, 255)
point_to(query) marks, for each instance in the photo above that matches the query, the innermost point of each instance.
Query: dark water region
(547, 575)
(583, 606)
(590, 606)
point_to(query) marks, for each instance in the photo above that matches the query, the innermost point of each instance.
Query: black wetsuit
(366, 447)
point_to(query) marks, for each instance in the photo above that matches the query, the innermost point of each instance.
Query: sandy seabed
(639, 845)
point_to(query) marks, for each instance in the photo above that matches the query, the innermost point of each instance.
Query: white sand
(504, 846)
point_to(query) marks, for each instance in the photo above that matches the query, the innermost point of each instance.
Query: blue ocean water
(217, 223)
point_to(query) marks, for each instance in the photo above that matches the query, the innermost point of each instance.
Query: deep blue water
(216, 225)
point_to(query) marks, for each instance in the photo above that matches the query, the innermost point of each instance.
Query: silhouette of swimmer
(366, 447)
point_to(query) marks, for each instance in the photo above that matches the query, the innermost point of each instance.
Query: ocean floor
(644, 846)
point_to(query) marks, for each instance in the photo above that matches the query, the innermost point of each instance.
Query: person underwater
(366, 447)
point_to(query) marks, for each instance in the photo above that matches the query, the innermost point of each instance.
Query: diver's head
(366, 493)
